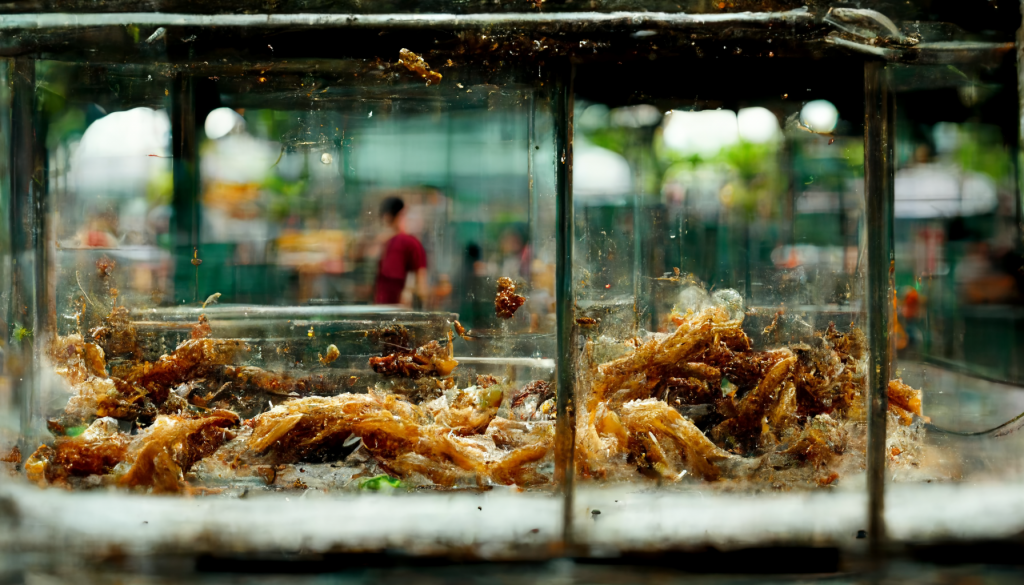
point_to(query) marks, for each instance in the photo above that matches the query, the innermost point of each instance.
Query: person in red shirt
(402, 254)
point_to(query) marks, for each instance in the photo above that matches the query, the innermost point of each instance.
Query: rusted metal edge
(575, 20)
(879, 169)
(941, 53)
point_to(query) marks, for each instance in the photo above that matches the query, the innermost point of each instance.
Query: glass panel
(9, 399)
(330, 277)
(958, 280)
(720, 307)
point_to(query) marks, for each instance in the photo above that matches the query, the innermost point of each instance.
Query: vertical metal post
(28, 176)
(1020, 126)
(565, 427)
(879, 138)
(185, 202)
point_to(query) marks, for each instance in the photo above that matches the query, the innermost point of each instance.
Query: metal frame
(28, 207)
(879, 171)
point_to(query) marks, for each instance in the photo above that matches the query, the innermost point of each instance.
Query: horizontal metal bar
(454, 21)
(942, 53)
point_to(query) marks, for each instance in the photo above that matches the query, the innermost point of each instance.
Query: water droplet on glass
(326, 158)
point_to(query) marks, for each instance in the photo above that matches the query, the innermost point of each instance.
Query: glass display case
(508, 282)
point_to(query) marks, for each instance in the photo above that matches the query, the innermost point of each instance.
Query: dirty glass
(333, 277)
(720, 306)
(957, 299)
(9, 402)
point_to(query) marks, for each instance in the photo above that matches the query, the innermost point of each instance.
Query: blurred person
(402, 254)
(99, 231)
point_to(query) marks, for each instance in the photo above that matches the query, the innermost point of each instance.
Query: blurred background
(767, 198)
(289, 193)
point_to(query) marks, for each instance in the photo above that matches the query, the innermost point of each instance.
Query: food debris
(699, 401)
(13, 456)
(417, 65)
(507, 302)
(538, 388)
(201, 329)
(332, 354)
(431, 359)
(211, 299)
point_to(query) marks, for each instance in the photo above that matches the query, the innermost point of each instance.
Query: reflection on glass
(291, 320)
(719, 285)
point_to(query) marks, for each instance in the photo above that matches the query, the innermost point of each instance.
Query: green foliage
(982, 151)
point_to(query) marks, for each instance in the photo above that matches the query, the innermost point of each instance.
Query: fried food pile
(700, 402)
(148, 425)
(696, 404)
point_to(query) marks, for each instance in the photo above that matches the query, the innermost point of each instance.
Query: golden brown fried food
(101, 397)
(821, 440)
(181, 365)
(794, 407)
(507, 302)
(400, 435)
(253, 379)
(164, 452)
(75, 359)
(95, 452)
(12, 456)
(635, 376)
(417, 65)
(904, 397)
(512, 434)
(641, 418)
(428, 360)
(471, 411)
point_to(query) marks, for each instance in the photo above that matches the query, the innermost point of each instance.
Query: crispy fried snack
(138, 390)
(645, 418)
(417, 65)
(507, 302)
(428, 360)
(820, 441)
(401, 436)
(792, 408)
(635, 376)
(102, 397)
(471, 411)
(95, 452)
(181, 365)
(75, 359)
(904, 401)
(164, 452)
